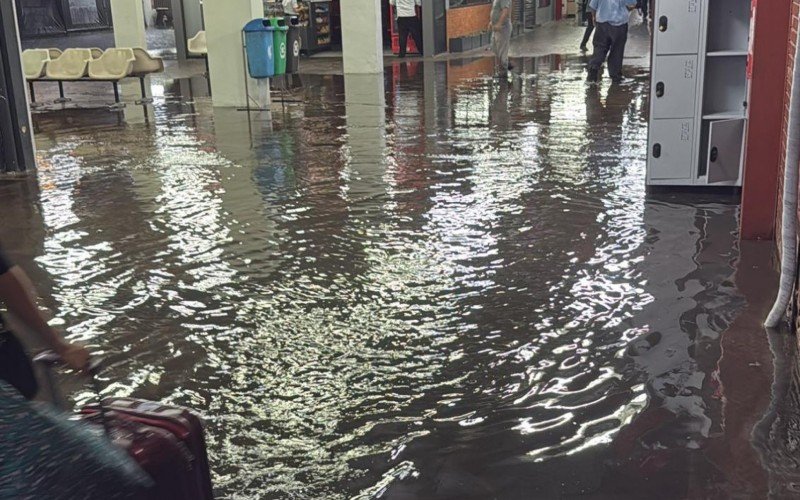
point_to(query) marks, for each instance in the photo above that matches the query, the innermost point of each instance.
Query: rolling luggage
(180, 423)
(166, 441)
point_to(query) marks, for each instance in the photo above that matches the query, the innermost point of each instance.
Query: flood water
(429, 285)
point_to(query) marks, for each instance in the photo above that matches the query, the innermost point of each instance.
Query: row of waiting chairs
(112, 65)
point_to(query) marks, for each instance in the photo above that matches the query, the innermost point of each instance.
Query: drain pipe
(789, 225)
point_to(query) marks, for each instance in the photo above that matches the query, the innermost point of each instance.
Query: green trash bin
(279, 42)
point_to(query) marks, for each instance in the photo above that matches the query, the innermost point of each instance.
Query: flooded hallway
(427, 283)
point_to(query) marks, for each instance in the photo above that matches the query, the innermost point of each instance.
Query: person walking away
(500, 26)
(408, 23)
(611, 23)
(589, 20)
(290, 10)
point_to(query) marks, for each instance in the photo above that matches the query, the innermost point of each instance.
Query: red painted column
(559, 8)
(763, 153)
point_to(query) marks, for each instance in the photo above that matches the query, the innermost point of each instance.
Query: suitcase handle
(50, 359)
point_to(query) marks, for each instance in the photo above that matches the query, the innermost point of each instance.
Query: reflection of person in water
(498, 112)
(604, 117)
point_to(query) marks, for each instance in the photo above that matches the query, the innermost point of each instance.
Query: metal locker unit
(678, 26)
(698, 106)
(671, 146)
(675, 87)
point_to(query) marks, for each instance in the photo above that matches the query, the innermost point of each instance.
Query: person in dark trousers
(611, 22)
(644, 6)
(408, 23)
(589, 20)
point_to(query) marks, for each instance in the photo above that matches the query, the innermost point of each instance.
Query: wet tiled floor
(427, 284)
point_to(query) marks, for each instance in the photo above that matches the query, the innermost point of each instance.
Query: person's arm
(16, 291)
(503, 17)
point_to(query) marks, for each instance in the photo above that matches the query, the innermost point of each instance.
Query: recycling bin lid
(258, 25)
(277, 22)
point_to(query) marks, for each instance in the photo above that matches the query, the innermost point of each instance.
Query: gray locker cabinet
(726, 138)
(678, 25)
(699, 88)
(674, 86)
(670, 149)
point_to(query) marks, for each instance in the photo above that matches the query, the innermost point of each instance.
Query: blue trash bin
(259, 38)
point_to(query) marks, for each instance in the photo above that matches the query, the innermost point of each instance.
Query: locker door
(725, 150)
(677, 27)
(670, 149)
(674, 86)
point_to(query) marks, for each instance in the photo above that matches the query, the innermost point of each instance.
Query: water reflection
(430, 283)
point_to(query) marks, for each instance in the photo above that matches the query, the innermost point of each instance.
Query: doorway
(544, 11)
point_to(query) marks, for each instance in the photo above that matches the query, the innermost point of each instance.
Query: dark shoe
(511, 66)
(584, 48)
(617, 80)
(594, 75)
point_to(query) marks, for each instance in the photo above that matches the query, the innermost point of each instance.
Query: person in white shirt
(408, 23)
(290, 7)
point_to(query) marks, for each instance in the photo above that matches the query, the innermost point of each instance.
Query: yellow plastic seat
(198, 45)
(96, 53)
(34, 63)
(55, 53)
(145, 64)
(114, 64)
(72, 65)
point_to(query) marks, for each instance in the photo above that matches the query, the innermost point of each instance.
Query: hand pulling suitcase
(166, 441)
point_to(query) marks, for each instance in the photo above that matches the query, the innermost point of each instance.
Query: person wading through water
(500, 26)
(611, 25)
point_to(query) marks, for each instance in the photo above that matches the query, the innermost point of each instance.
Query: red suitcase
(181, 423)
(166, 441)
(160, 454)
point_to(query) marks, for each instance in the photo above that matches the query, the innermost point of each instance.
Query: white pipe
(789, 218)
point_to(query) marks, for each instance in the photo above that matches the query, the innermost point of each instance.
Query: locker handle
(660, 89)
(663, 24)
(656, 150)
(714, 154)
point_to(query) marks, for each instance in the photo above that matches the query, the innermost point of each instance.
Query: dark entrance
(16, 144)
(57, 17)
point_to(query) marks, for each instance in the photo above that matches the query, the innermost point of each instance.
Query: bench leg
(118, 105)
(61, 99)
(32, 89)
(144, 99)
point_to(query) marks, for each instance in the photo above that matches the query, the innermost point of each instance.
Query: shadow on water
(428, 284)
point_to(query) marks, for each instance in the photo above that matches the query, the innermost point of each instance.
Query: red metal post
(763, 153)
